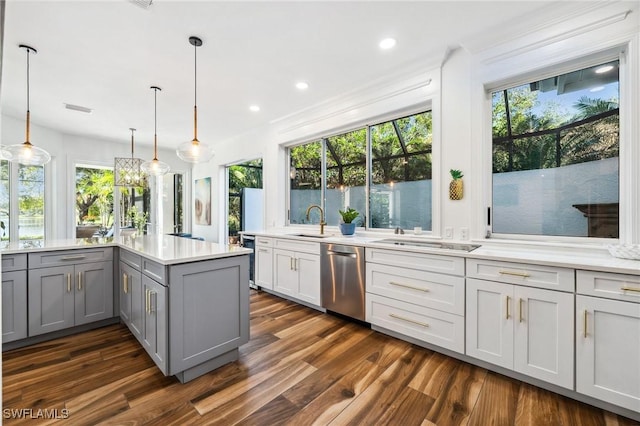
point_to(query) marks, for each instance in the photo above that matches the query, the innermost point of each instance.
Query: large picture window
(393, 158)
(555, 155)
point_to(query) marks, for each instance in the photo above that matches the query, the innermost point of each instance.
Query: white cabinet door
(285, 277)
(544, 335)
(307, 267)
(489, 322)
(608, 350)
(264, 267)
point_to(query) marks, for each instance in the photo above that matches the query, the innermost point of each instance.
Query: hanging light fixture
(25, 153)
(195, 151)
(155, 167)
(128, 171)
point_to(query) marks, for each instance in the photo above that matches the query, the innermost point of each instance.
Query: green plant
(348, 214)
(456, 174)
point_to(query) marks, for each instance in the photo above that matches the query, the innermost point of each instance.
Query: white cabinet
(264, 263)
(529, 330)
(296, 270)
(608, 350)
(418, 295)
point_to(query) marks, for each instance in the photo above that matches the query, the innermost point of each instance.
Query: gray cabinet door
(209, 310)
(14, 306)
(131, 300)
(124, 292)
(155, 322)
(51, 299)
(93, 292)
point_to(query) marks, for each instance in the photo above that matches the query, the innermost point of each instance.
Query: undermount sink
(429, 244)
(311, 235)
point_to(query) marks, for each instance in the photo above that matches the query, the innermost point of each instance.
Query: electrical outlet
(464, 234)
(448, 232)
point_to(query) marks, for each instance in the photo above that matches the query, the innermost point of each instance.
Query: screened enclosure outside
(399, 177)
(555, 155)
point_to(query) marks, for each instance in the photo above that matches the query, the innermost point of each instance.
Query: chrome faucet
(322, 222)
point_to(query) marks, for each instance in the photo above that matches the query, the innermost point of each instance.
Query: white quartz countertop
(590, 258)
(164, 249)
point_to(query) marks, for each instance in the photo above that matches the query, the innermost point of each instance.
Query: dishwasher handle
(341, 253)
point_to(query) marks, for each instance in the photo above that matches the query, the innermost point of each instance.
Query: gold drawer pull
(79, 281)
(125, 285)
(515, 273)
(74, 257)
(507, 305)
(630, 289)
(147, 300)
(68, 283)
(520, 313)
(422, 324)
(408, 286)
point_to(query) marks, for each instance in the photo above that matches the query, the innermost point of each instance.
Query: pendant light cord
(195, 91)
(132, 130)
(28, 124)
(155, 124)
(28, 52)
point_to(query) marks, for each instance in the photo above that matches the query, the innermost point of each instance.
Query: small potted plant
(348, 215)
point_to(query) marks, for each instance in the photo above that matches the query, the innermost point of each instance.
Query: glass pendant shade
(128, 171)
(26, 153)
(194, 151)
(155, 167)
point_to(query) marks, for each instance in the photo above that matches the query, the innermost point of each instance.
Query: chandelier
(127, 171)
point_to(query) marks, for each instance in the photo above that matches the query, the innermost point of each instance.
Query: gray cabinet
(154, 320)
(209, 312)
(14, 297)
(131, 301)
(68, 288)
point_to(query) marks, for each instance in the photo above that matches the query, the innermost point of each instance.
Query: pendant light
(25, 153)
(127, 171)
(155, 167)
(195, 151)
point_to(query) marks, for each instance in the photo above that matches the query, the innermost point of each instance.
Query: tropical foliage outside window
(241, 176)
(5, 200)
(94, 200)
(555, 155)
(399, 177)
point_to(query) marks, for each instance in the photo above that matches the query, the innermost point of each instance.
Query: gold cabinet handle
(409, 286)
(507, 306)
(630, 289)
(422, 324)
(291, 263)
(585, 323)
(515, 273)
(152, 305)
(79, 281)
(520, 310)
(68, 282)
(147, 300)
(125, 283)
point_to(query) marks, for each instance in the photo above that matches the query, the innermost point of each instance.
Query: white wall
(66, 151)
(462, 124)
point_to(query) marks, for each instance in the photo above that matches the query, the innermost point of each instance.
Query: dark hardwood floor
(301, 367)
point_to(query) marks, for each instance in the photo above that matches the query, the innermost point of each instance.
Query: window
(246, 202)
(94, 201)
(555, 155)
(5, 197)
(399, 177)
(31, 202)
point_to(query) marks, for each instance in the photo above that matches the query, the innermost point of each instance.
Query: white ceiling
(105, 54)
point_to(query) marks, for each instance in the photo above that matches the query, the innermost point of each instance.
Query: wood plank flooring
(301, 367)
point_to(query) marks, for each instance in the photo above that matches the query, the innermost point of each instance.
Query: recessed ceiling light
(302, 85)
(387, 43)
(254, 108)
(597, 89)
(603, 69)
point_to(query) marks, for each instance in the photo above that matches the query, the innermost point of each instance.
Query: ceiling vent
(145, 4)
(78, 108)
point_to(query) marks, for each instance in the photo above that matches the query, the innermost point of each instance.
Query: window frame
(626, 157)
(428, 107)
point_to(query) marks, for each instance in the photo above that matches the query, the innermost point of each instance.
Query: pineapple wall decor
(455, 186)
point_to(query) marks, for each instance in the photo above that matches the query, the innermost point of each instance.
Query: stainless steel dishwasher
(342, 279)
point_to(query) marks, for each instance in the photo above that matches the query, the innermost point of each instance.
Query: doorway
(245, 211)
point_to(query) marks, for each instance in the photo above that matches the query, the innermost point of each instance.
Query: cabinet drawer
(69, 257)
(131, 259)
(428, 325)
(264, 242)
(297, 245)
(423, 261)
(609, 285)
(437, 291)
(14, 262)
(550, 277)
(153, 270)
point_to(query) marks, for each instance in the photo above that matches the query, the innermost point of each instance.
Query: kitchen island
(186, 301)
